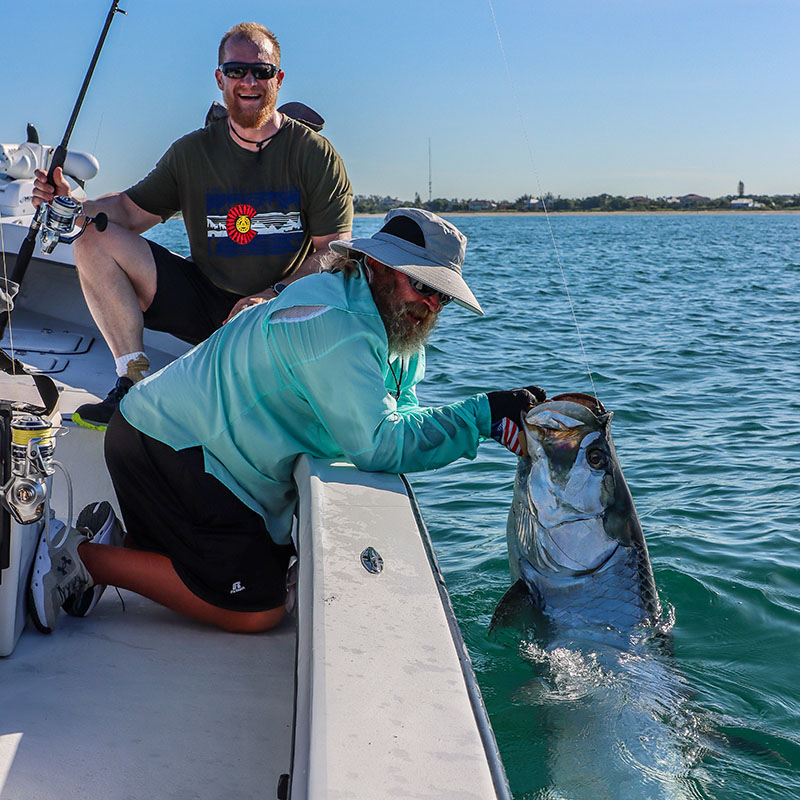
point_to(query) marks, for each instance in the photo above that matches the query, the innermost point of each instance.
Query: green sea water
(689, 325)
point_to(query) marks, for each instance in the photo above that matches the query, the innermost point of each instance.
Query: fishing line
(99, 126)
(5, 282)
(542, 200)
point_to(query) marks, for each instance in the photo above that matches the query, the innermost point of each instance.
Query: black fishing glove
(507, 409)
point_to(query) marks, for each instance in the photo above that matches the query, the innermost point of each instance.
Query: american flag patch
(506, 431)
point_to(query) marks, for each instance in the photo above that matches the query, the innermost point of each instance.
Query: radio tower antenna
(430, 183)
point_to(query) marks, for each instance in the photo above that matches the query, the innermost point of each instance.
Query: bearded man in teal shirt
(201, 455)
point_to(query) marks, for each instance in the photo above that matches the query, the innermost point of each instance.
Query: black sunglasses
(428, 291)
(417, 286)
(238, 69)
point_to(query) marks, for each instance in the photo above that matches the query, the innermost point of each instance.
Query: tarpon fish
(616, 709)
(574, 537)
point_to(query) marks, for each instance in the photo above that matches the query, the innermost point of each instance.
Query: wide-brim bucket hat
(421, 245)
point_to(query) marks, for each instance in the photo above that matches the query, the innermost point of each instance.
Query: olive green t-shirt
(250, 216)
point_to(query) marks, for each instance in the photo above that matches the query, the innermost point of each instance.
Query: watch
(279, 287)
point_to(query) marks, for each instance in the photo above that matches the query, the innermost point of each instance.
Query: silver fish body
(574, 537)
(616, 710)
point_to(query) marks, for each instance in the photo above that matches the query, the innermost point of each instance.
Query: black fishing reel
(57, 219)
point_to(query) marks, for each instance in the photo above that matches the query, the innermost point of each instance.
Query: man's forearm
(313, 262)
(122, 211)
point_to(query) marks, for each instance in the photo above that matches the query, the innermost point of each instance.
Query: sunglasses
(238, 69)
(416, 285)
(428, 291)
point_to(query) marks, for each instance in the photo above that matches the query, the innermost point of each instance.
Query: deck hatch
(46, 340)
(41, 362)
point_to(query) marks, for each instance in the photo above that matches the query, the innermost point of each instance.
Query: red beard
(247, 116)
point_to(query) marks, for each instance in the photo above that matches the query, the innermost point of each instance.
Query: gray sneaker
(57, 573)
(99, 522)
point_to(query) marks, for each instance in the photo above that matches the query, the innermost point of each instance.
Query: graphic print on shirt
(253, 223)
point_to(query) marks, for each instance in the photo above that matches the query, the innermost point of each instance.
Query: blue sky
(654, 97)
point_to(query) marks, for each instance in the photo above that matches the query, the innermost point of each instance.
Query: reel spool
(58, 218)
(32, 447)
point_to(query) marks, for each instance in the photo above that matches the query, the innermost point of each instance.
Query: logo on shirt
(254, 223)
(239, 223)
(237, 587)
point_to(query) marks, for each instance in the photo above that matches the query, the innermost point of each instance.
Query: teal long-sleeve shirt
(308, 372)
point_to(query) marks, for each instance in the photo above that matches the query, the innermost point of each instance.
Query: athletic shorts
(220, 549)
(186, 303)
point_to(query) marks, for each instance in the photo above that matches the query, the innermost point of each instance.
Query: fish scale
(607, 597)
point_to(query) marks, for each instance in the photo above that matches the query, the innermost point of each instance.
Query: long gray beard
(404, 338)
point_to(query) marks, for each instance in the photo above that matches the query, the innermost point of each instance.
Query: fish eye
(597, 458)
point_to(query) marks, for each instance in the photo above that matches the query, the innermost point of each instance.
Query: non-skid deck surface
(141, 704)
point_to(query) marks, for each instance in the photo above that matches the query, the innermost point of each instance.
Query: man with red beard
(201, 453)
(261, 196)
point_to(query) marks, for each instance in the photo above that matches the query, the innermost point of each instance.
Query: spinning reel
(57, 219)
(32, 444)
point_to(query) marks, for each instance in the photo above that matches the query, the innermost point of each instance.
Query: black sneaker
(99, 522)
(97, 415)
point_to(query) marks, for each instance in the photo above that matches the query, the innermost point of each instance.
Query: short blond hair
(250, 32)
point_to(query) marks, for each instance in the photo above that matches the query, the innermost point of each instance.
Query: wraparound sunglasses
(428, 291)
(238, 69)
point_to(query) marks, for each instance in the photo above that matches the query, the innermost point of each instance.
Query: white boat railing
(387, 703)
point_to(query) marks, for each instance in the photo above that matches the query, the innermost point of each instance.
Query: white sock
(133, 365)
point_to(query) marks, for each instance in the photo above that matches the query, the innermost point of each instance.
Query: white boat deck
(145, 704)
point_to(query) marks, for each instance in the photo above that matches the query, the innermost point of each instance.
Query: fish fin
(516, 606)
(747, 746)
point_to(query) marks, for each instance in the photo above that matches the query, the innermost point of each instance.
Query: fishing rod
(59, 216)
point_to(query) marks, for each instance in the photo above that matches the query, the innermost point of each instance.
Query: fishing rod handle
(57, 160)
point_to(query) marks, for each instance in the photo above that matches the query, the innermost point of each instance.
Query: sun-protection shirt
(307, 372)
(250, 215)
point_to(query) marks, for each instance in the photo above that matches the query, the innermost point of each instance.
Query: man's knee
(101, 254)
(251, 622)
(88, 246)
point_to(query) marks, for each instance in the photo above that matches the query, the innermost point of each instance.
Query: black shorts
(220, 549)
(186, 303)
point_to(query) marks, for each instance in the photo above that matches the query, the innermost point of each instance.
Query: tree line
(374, 204)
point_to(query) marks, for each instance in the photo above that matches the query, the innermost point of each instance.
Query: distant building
(388, 203)
(690, 200)
(742, 203)
(481, 205)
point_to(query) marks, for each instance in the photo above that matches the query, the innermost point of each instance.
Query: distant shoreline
(663, 212)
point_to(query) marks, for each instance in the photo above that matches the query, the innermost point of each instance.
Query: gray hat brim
(443, 279)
